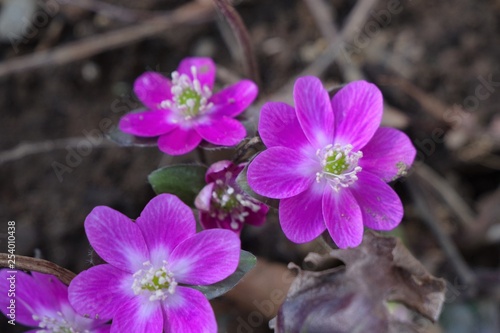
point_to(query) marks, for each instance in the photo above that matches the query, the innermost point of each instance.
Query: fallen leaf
(381, 288)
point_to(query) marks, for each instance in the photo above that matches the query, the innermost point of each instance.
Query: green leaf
(247, 262)
(184, 181)
(127, 140)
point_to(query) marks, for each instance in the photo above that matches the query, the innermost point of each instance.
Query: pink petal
(208, 257)
(253, 218)
(280, 172)
(53, 297)
(380, 205)
(203, 199)
(188, 311)
(388, 154)
(205, 70)
(233, 100)
(47, 284)
(152, 88)
(343, 217)
(301, 216)
(102, 329)
(45, 295)
(100, 291)
(179, 141)
(31, 297)
(223, 131)
(147, 123)
(358, 109)
(165, 222)
(220, 166)
(209, 222)
(138, 316)
(116, 239)
(314, 111)
(259, 217)
(81, 323)
(51, 283)
(279, 126)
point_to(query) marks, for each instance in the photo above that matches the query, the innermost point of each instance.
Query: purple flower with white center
(184, 110)
(222, 203)
(143, 287)
(41, 301)
(329, 161)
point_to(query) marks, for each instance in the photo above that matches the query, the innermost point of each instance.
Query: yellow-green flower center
(189, 98)
(340, 165)
(160, 281)
(228, 202)
(336, 165)
(156, 283)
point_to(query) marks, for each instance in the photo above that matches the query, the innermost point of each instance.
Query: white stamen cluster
(340, 165)
(228, 202)
(158, 283)
(189, 98)
(55, 325)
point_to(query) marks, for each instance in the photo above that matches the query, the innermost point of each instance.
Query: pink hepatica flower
(150, 262)
(329, 161)
(222, 204)
(184, 110)
(41, 301)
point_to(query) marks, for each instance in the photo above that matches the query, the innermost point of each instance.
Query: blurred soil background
(65, 79)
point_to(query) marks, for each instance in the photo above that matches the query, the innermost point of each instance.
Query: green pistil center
(155, 283)
(336, 165)
(340, 165)
(227, 201)
(191, 100)
(158, 282)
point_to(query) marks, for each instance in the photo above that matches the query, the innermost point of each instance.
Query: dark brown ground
(430, 59)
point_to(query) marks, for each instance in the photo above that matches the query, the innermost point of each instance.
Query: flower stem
(243, 37)
(201, 155)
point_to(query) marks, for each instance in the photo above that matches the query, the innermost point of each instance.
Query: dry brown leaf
(381, 288)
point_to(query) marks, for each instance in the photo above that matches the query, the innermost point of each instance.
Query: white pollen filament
(189, 98)
(339, 165)
(156, 283)
(55, 325)
(231, 203)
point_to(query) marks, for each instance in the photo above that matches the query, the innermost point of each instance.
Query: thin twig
(241, 33)
(425, 211)
(30, 148)
(192, 13)
(351, 29)
(447, 194)
(226, 76)
(38, 265)
(432, 105)
(112, 11)
(350, 71)
(326, 24)
(324, 20)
